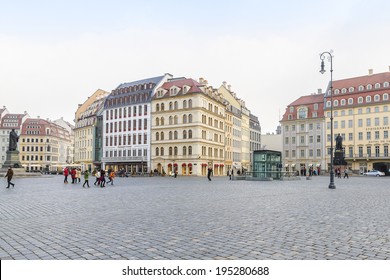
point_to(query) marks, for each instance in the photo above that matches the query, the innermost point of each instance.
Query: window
(350, 136)
(318, 152)
(360, 151)
(350, 101)
(302, 113)
(360, 100)
(360, 135)
(361, 88)
(351, 89)
(369, 151)
(385, 120)
(342, 102)
(368, 137)
(377, 85)
(385, 96)
(350, 123)
(376, 135)
(377, 97)
(350, 151)
(368, 122)
(386, 134)
(386, 151)
(376, 120)
(369, 87)
(368, 98)
(318, 138)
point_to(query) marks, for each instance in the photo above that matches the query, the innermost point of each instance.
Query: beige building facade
(188, 128)
(361, 116)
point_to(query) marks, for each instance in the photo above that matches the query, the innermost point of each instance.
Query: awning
(175, 165)
(190, 165)
(184, 164)
(169, 164)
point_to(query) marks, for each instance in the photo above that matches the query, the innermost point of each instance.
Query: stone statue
(339, 142)
(13, 140)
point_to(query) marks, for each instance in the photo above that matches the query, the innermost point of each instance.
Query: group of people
(100, 176)
(337, 172)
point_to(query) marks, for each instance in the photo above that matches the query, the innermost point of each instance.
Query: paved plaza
(192, 218)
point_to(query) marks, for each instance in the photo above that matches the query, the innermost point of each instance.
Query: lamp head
(322, 71)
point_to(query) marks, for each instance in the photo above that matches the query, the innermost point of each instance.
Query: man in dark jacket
(9, 175)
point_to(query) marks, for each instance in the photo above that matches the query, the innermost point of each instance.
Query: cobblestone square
(189, 218)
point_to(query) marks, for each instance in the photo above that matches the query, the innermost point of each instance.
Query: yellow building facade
(361, 116)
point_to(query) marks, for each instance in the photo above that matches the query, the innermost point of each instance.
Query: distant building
(42, 145)
(7, 123)
(88, 131)
(188, 133)
(361, 116)
(127, 125)
(303, 134)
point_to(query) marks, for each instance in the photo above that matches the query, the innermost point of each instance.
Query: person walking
(86, 176)
(346, 171)
(66, 174)
(9, 175)
(111, 177)
(230, 174)
(102, 178)
(209, 171)
(97, 176)
(73, 175)
(78, 175)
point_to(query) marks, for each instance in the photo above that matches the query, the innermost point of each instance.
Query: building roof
(154, 80)
(362, 81)
(307, 101)
(191, 85)
(10, 121)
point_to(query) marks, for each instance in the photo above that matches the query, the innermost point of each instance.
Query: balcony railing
(124, 159)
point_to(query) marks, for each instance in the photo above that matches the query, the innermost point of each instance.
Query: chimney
(25, 112)
(224, 83)
(201, 80)
(229, 87)
(38, 117)
(319, 91)
(370, 71)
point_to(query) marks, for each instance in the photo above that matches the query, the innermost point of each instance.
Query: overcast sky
(54, 54)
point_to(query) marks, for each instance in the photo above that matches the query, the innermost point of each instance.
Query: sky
(54, 54)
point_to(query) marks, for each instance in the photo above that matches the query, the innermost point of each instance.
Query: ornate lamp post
(322, 71)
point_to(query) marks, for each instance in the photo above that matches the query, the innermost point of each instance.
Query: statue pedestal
(338, 158)
(12, 160)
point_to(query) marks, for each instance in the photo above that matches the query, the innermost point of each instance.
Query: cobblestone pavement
(192, 218)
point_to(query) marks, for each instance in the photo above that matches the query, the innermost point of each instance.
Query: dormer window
(351, 89)
(377, 85)
(386, 84)
(344, 90)
(377, 98)
(361, 88)
(292, 109)
(368, 98)
(302, 113)
(369, 86)
(336, 91)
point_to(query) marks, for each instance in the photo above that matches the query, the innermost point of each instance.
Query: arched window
(185, 134)
(157, 121)
(377, 85)
(157, 136)
(175, 151)
(185, 104)
(170, 135)
(190, 118)
(190, 134)
(175, 135)
(368, 98)
(176, 105)
(360, 100)
(335, 103)
(351, 89)
(162, 151)
(189, 150)
(377, 97)
(162, 107)
(350, 101)
(336, 91)
(184, 118)
(170, 151)
(369, 86)
(175, 120)
(302, 113)
(361, 88)
(184, 151)
(344, 90)
(170, 106)
(342, 102)
(157, 107)
(162, 120)
(170, 120)
(386, 84)
(162, 135)
(190, 103)
(385, 96)
(157, 151)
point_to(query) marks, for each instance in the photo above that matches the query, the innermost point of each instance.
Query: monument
(13, 159)
(339, 158)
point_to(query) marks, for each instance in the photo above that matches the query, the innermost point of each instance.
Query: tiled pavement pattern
(192, 218)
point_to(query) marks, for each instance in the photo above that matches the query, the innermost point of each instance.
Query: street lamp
(322, 71)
